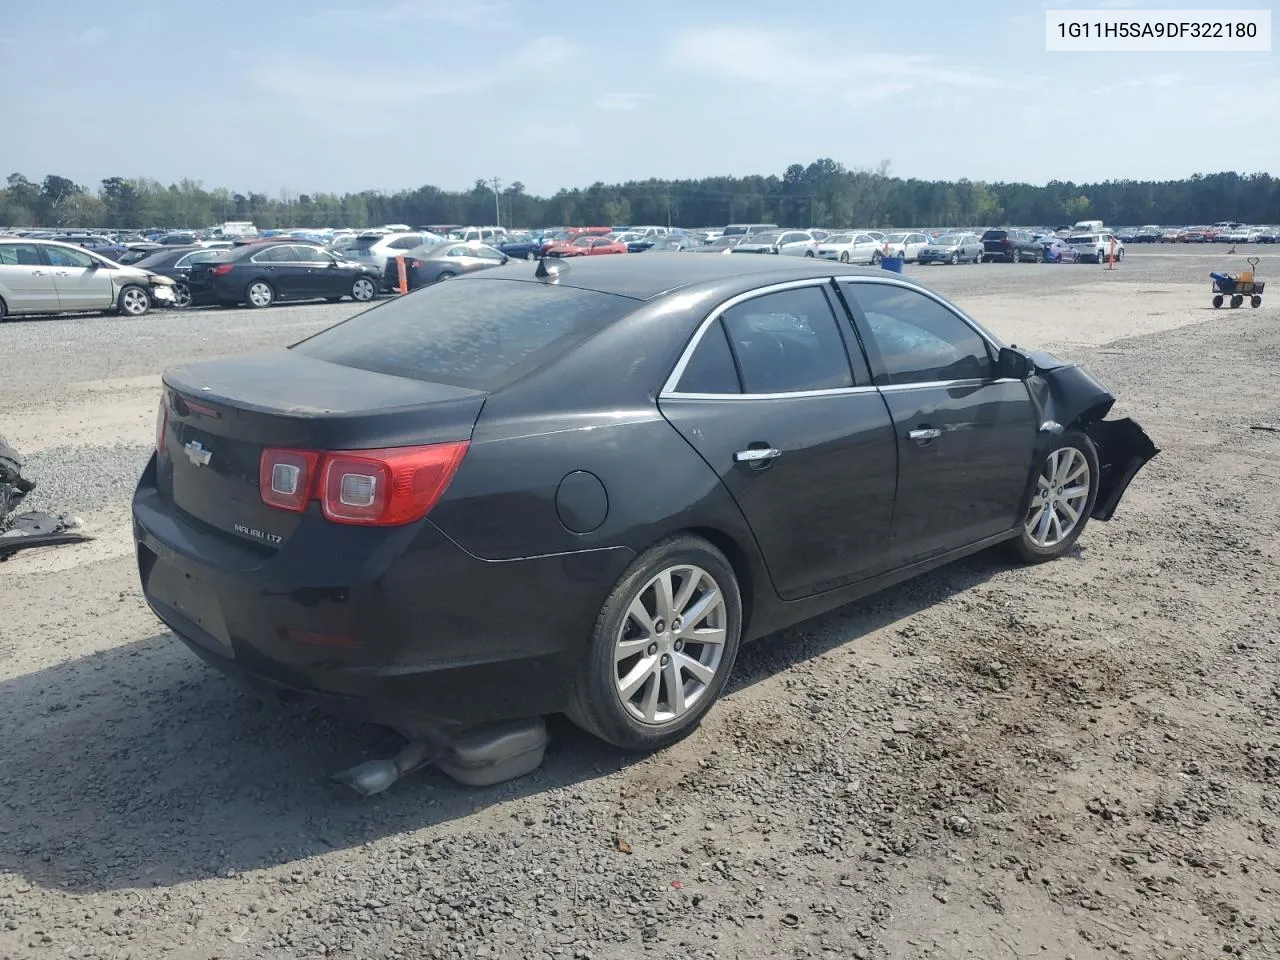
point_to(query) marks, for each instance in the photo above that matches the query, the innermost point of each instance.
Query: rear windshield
(476, 333)
(995, 234)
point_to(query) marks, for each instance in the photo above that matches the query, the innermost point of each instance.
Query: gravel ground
(1080, 759)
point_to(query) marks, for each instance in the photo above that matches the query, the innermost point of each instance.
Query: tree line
(824, 193)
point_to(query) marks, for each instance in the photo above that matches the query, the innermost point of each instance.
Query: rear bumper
(401, 627)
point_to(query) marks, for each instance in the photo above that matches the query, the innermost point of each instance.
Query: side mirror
(1014, 364)
(94, 264)
(505, 258)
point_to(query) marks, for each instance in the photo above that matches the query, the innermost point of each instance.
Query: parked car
(138, 250)
(952, 248)
(443, 261)
(1127, 234)
(747, 229)
(671, 243)
(719, 244)
(1057, 250)
(176, 263)
(1149, 234)
(1240, 234)
(787, 243)
(850, 248)
(525, 247)
(1015, 246)
(260, 274)
(449, 537)
(1268, 235)
(904, 245)
(585, 245)
(374, 248)
(44, 276)
(1097, 247)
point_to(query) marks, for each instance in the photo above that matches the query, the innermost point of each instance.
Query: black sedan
(411, 517)
(176, 263)
(259, 274)
(441, 261)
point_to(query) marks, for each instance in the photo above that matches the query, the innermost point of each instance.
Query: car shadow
(139, 766)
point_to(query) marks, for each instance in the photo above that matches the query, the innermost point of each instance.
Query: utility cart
(1237, 286)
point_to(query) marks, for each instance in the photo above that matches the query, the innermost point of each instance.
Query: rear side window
(481, 334)
(787, 342)
(19, 254)
(711, 368)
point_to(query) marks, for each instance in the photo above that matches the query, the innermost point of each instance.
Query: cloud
(798, 63)
(621, 101)
(377, 87)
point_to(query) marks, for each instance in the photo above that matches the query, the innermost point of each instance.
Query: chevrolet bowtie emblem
(197, 454)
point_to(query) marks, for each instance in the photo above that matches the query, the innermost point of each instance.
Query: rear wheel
(1016, 256)
(662, 648)
(181, 295)
(876, 257)
(1254, 301)
(844, 256)
(133, 301)
(259, 294)
(1066, 486)
(363, 290)
(809, 253)
(955, 258)
(531, 255)
(1217, 300)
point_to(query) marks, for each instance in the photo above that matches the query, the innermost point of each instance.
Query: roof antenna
(550, 269)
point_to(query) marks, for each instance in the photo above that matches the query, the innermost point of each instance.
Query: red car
(585, 246)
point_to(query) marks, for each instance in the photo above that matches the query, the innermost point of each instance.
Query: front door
(82, 280)
(798, 435)
(26, 281)
(965, 438)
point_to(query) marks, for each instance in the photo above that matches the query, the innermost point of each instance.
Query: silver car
(788, 243)
(43, 276)
(952, 248)
(377, 249)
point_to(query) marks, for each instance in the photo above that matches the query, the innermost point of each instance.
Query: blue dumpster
(891, 263)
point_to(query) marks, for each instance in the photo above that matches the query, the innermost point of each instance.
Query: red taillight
(385, 487)
(221, 269)
(162, 423)
(286, 476)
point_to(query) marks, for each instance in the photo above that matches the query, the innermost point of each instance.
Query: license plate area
(194, 602)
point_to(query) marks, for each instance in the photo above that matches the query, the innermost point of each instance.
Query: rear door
(83, 282)
(775, 402)
(26, 281)
(279, 266)
(965, 438)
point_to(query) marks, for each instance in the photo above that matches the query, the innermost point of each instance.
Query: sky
(305, 96)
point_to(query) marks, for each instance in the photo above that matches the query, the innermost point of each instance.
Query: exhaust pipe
(375, 776)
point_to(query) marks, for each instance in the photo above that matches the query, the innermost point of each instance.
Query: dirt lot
(1076, 760)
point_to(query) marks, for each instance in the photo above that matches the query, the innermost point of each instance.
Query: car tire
(133, 301)
(955, 259)
(445, 275)
(181, 296)
(809, 253)
(363, 290)
(1057, 473)
(4, 312)
(531, 256)
(876, 257)
(844, 256)
(1255, 301)
(259, 294)
(644, 651)
(1016, 256)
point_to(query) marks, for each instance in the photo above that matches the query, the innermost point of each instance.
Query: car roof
(650, 275)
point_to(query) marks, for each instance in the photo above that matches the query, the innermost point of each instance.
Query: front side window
(787, 342)
(920, 340)
(64, 257)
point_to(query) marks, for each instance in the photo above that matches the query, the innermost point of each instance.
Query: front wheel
(1066, 486)
(876, 257)
(363, 290)
(133, 301)
(662, 648)
(1016, 256)
(1217, 300)
(259, 294)
(955, 259)
(181, 296)
(809, 253)
(844, 256)
(1254, 301)
(531, 255)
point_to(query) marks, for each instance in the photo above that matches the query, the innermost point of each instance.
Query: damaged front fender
(1068, 396)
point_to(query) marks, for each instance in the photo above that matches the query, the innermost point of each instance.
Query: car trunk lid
(222, 414)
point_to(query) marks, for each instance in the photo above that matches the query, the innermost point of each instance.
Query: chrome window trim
(668, 390)
(798, 394)
(935, 384)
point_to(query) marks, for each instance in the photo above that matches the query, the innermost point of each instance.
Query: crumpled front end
(1067, 395)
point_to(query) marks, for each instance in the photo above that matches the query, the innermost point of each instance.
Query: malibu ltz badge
(197, 454)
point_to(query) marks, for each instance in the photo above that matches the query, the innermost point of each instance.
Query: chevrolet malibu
(580, 486)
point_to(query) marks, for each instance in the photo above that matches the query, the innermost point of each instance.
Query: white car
(904, 245)
(377, 249)
(788, 243)
(1096, 246)
(850, 248)
(43, 276)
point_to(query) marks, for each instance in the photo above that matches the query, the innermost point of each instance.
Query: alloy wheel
(670, 644)
(1062, 490)
(135, 302)
(182, 295)
(363, 290)
(260, 294)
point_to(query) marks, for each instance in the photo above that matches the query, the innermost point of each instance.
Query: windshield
(770, 237)
(896, 237)
(839, 238)
(479, 334)
(950, 240)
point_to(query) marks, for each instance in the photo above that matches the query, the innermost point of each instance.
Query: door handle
(37, 273)
(63, 273)
(924, 433)
(757, 454)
